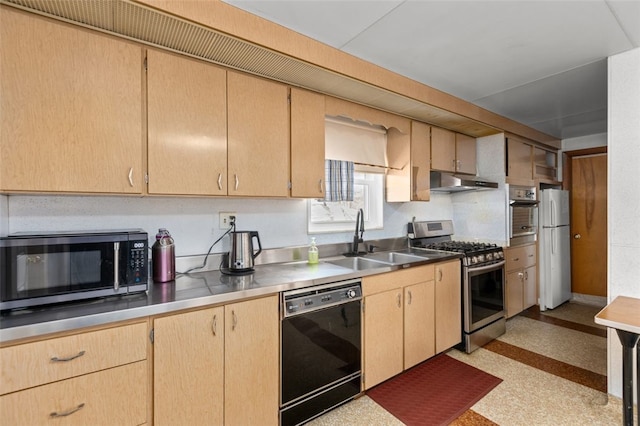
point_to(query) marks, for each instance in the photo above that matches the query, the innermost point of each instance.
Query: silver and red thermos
(163, 257)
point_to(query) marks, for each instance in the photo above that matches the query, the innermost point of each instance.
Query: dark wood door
(589, 225)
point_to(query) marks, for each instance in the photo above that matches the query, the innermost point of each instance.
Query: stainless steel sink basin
(358, 263)
(394, 258)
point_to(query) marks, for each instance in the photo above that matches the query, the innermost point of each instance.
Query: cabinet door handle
(214, 324)
(515, 259)
(521, 276)
(130, 176)
(399, 300)
(220, 181)
(439, 275)
(67, 359)
(234, 320)
(321, 186)
(526, 275)
(237, 181)
(66, 413)
(410, 297)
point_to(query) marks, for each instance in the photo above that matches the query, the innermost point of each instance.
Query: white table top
(622, 314)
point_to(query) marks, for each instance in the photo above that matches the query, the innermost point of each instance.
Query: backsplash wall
(194, 222)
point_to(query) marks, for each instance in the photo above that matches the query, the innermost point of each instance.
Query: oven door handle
(486, 268)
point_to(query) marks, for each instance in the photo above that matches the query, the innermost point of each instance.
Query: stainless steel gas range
(483, 280)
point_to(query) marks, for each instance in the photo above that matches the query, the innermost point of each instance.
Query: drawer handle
(66, 413)
(515, 259)
(67, 359)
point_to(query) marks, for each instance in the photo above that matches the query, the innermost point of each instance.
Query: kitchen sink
(358, 263)
(394, 258)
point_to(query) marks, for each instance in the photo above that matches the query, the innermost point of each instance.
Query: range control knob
(351, 294)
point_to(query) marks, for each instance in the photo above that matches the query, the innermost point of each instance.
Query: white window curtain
(361, 143)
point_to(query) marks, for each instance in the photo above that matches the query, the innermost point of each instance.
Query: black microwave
(41, 269)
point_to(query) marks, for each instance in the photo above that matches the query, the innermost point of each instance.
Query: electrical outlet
(225, 219)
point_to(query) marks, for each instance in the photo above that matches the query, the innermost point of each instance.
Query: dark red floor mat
(435, 392)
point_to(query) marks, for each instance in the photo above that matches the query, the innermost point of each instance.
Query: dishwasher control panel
(319, 297)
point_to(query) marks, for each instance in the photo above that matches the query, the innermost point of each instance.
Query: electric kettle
(241, 252)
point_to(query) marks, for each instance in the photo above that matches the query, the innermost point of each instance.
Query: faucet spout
(357, 239)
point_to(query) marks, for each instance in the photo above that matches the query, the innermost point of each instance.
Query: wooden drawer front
(383, 282)
(117, 396)
(520, 257)
(529, 255)
(32, 364)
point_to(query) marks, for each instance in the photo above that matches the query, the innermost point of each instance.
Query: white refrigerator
(555, 247)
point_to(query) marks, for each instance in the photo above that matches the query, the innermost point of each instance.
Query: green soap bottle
(313, 252)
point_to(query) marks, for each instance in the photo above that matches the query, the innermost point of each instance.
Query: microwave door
(38, 272)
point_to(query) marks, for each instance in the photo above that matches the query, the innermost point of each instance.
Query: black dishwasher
(320, 349)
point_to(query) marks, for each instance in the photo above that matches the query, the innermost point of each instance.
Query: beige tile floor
(527, 396)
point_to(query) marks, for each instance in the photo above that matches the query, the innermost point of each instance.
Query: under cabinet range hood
(448, 182)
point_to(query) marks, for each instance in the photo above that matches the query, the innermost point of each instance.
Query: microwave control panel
(138, 260)
(522, 193)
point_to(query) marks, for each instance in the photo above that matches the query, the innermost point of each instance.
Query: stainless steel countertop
(190, 291)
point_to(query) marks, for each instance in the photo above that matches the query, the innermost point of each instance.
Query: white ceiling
(542, 63)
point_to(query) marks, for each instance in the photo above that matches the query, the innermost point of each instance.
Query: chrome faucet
(359, 229)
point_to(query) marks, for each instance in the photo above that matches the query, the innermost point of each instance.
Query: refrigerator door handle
(553, 212)
(553, 241)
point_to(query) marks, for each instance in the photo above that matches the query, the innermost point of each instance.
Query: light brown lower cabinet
(188, 368)
(419, 310)
(448, 305)
(521, 278)
(383, 336)
(218, 365)
(409, 316)
(116, 396)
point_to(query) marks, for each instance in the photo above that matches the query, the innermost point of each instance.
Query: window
(340, 216)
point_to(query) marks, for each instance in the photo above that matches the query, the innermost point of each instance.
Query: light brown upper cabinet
(187, 127)
(71, 102)
(465, 154)
(519, 162)
(258, 137)
(307, 144)
(443, 150)
(545, 165)
(420, 155)
(452, 152)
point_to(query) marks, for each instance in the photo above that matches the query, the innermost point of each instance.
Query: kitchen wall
(623, 200)
(582, 142)
(194, 222)
(482, 215)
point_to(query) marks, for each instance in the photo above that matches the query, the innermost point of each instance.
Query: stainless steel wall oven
(320, 349)
(523, 215)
